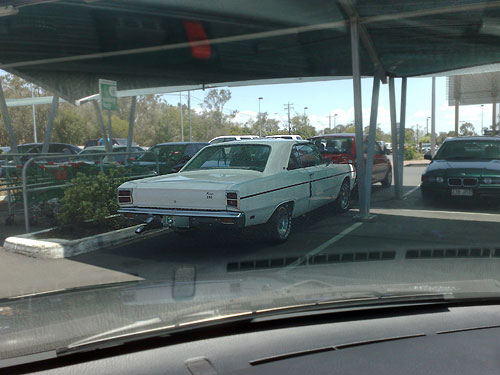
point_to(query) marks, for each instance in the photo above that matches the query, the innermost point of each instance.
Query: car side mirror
(427, 156)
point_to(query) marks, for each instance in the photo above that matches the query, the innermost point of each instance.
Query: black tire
(387, 181)
(279, 226)
(343, 201)
(9, 220)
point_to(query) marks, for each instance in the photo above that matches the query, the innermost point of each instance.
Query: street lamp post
(335, 120)
(482, 113)
(258, 119)
(305, 111)
(427, 126)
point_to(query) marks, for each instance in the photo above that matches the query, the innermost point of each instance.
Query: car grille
(456, 181)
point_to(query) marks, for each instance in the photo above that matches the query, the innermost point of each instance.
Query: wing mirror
(427, 156)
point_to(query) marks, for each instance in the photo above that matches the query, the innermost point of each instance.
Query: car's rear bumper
(195, 217)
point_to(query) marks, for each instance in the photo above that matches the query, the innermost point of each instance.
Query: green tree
(300, 125)
(69, 126)
(466, 128)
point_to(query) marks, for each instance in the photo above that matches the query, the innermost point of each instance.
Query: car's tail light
(124, 196)
(232, 199)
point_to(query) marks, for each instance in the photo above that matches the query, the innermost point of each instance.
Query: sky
(336, 97)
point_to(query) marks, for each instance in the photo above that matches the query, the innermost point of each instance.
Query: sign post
(109, 102)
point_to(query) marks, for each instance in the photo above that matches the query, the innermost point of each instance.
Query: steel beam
(131, 121)
(351, 11)
(358, 117)
(402, 127)
(457, 83)
(7, 121)
(433, 118)
(371, 145)
(394, 137)
(50, 124)
(98, 115)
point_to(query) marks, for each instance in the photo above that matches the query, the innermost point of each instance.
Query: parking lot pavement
(400, 226)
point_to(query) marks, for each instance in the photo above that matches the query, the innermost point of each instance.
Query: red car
(341, 149)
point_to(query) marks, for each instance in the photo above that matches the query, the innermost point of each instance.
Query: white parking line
(411, 191)
(324, 245)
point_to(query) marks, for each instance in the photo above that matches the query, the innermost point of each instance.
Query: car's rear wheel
(279, 225)
(387, 181)
(343, 201)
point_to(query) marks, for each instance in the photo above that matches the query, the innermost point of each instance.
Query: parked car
(230, 138)
(242, 184)
(463, 167)
(102, 150)
(98, 142)
(285, 136)
(341, 148)
(172, 156)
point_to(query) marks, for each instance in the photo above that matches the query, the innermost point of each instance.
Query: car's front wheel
(279, 225)
(427, 197)
(343, 201)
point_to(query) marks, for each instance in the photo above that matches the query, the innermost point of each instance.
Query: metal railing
(99, 161)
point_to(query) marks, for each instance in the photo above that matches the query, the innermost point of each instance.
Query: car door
(298, 180)
(320, 185)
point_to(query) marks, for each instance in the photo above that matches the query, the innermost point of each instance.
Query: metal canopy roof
(65, 46)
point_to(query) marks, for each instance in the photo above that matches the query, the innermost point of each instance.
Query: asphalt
(401, 229)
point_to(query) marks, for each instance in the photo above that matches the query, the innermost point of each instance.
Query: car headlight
(490, 180)
(439, 180)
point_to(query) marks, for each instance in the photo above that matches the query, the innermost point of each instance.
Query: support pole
(394, 136)
(101, 125)
(110, 128)
(371, 145)
(457, 82)
(189, 117)
(433, 118)
(402, 126)
(358, 118)
(34, 116)
(50, 124)
(182, 118)
(494, 114)
(131, 121)
(7, 121)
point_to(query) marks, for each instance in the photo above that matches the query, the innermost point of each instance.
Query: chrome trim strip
(180, 212)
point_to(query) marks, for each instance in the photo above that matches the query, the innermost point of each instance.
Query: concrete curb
(418, 164)
(56, 248)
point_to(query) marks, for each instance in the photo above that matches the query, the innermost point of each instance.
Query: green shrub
(89, 200)
(410, 153)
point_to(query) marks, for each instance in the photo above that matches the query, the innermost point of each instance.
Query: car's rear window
(165, 153)
(252, 157)
(469, 149)
(334, 145)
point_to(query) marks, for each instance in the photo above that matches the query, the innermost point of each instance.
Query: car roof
(180, 143)
(335, 135)
(263, 141)
(473, 138)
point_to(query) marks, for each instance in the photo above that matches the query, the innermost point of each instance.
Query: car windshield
(334, 145)
(187, 234)
(235, 156)
(469, 150)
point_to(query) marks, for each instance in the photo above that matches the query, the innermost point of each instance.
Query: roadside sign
(107, 91)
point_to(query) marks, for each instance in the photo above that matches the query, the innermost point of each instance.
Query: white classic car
(242, 184)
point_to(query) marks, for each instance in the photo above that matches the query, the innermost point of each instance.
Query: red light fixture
(196, 33)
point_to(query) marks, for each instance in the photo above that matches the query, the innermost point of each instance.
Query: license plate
(461, 192)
